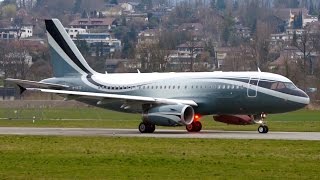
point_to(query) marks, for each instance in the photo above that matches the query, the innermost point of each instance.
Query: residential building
(91, 23)
(149, 36)
(101, 43)
(16, 32)
(73, 32)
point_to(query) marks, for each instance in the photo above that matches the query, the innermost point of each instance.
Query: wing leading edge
(101, 96)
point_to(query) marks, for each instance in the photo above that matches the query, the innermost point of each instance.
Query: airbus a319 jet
(166, 99)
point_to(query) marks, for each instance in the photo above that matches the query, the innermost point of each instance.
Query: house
(242, 31)
(288, 14)
(195, 29)
(186, 53)
(16, 32)
(91, 23)
(73, 32)
(149, 36)
(113, 11)
(101, 43)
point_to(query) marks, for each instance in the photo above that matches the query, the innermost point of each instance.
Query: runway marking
(159, 133)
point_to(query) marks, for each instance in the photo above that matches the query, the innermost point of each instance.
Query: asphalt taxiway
(159, 133)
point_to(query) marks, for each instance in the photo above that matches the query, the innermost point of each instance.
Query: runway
(159, 133)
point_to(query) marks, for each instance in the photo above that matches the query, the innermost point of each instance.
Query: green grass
(303, 120)
(36, 157)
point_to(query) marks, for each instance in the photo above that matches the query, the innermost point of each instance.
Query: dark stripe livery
(56, 35)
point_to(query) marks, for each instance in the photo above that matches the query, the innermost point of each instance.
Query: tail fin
(65, 56)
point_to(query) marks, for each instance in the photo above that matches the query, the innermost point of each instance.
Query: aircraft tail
(66, 58)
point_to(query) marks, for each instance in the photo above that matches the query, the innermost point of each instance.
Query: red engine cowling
(234, 119)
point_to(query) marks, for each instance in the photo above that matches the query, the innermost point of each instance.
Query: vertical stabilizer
(65, 56)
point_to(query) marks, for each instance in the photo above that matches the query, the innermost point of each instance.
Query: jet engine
(169, 115)
(234, 119)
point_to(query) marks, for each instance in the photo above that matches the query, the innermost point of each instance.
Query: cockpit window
(278, 85)
(290, 85)
(281, 85)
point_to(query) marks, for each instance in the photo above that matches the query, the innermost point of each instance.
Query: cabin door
(252, 89)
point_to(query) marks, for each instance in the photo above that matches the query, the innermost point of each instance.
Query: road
(159, 133)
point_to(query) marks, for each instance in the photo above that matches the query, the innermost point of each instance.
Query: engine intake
(169, 115)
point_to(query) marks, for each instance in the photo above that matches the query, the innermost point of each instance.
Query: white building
(26, 31)
(73, 32)
(309, 19)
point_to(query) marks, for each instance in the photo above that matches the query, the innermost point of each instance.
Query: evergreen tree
(294, 3)
(114, 2)
(236, 5)
(294, 38)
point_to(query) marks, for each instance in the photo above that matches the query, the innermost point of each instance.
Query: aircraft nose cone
(306, 97)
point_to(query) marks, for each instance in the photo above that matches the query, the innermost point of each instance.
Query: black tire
(198, 126)
(190, 127)
(151, 128)
(143, 128)
(195, 126)
(263, 129)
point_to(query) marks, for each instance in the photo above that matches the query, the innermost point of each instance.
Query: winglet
(22, 89)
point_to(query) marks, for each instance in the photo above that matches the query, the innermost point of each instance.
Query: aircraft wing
(35, 83)
(101, 96)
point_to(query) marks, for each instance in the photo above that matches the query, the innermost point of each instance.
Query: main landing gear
(195, 126)
(146, 128)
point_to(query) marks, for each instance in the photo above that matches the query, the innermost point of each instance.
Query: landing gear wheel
(195, 126)
(146, 128)
(263, 129)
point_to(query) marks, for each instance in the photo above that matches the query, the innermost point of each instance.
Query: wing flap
(101, 96)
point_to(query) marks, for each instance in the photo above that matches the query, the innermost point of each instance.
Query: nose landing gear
(259, 119)
(263, 129)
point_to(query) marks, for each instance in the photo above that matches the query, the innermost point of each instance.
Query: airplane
(166, 99)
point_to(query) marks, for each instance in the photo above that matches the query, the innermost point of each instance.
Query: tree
(77, 6)
(213, 4)
(307, 43)
(9, 10)
(114, 2)
(298, 21)
(221, 5)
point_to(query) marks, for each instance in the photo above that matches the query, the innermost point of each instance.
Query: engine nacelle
(234, 119)
(169, 115)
